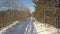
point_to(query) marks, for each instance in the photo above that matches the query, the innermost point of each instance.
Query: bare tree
(8, 3)
(11, 4)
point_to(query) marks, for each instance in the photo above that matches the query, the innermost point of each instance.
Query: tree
(12, 14)
(10, 4)
(47, 11)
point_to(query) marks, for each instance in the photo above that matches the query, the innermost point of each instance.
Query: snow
(29, 26)
(25, 27)
(45, 29)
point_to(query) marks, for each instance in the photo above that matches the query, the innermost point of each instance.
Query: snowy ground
(45, 29)
(25, 27)
(29, 26)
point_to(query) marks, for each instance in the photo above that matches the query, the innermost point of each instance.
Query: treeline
(47, 11)
(12, 11)
(9, 16)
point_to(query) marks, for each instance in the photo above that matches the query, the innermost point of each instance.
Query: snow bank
(42, 29)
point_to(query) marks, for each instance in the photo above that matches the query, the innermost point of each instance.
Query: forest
(47, 11)
(12, 12)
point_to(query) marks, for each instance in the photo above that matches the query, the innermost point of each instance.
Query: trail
(25, 27)
(29, 26)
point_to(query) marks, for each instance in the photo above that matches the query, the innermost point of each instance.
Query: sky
(27, 3)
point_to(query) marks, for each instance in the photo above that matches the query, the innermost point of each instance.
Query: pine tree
(47, 11)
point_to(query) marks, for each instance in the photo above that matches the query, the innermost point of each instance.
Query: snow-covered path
(25, 27)
(29, 26)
